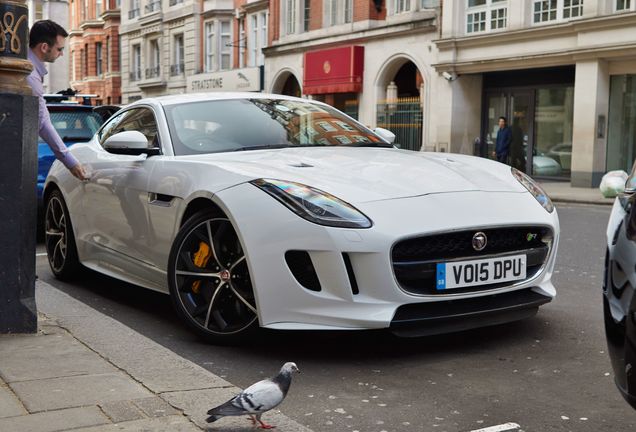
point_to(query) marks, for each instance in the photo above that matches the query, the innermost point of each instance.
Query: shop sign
(246, 79)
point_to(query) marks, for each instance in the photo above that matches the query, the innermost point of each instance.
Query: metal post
(18, 170)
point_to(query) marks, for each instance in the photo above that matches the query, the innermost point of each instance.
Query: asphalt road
(547, 373)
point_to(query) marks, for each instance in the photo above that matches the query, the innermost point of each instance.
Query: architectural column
(589, 135)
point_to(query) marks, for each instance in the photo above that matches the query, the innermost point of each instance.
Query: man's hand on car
(79, 172)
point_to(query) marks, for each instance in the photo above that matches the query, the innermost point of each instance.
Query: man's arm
(46, 129)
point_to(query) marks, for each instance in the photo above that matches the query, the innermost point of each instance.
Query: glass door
(518, 108)
(520, 120)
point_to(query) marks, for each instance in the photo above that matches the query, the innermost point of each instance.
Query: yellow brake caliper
(201, 258)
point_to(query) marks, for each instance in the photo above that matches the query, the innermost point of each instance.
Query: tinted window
(138, 119)
(247, 124)
(76, 125)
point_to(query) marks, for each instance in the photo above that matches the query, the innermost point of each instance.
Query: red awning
(336, 70)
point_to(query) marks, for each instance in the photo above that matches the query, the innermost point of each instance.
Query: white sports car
(265, 210)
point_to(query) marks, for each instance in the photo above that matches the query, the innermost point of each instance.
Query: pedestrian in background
(504, 138)
(46, 44)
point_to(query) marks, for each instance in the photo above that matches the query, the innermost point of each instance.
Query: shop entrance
(539, 106)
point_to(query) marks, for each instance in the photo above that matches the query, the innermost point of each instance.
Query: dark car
(619, 301)
(75, 123)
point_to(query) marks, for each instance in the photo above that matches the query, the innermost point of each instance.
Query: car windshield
(76, 125)
(253, 124)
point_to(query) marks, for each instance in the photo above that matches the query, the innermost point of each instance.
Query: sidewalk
(88, 372)
(563, 192)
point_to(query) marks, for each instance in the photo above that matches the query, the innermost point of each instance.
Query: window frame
(560, 9)
(486, 11)
(218, 44)
(631, 7)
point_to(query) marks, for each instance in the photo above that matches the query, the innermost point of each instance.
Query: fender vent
(299, 262)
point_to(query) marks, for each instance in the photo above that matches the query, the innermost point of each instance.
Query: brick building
(94, 49)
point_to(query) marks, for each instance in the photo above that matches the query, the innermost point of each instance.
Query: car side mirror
(130, 143)
(385, 134)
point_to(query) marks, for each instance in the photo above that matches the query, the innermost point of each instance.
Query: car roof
(199, 97)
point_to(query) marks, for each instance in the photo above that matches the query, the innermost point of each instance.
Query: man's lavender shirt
(46, 130)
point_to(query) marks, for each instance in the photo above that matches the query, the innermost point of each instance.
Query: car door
(115, 198)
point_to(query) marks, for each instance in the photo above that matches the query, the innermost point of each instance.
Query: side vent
(350, 273)
(299, 262)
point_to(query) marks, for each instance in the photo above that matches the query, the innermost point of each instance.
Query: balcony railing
(174, 2)
(153, 72)
(153, 6)
(133, 13)
(177, 69)
(135, 75)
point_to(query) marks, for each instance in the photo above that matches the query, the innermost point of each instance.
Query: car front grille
(415, 260)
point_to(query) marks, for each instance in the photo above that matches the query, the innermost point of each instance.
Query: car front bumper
(268, 230)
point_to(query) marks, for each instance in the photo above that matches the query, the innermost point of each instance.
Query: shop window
(486, 15)
(556, 10)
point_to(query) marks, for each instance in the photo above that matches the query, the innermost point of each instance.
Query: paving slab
(162, 424)
(195, 404)
(29, 357)
(155, 407)
(121, 411)
(67, 392)
(54, 421)
(10, 406)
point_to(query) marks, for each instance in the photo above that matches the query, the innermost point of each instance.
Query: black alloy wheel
(59, 240)
(209, 279)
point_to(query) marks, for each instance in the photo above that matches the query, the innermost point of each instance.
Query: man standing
(504, 138)
(46, 44)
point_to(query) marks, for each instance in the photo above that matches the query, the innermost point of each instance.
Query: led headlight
(534, 188)
(313, 204)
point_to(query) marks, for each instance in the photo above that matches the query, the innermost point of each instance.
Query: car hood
(363, 174)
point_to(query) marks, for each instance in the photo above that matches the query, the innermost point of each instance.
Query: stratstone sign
(246, 79)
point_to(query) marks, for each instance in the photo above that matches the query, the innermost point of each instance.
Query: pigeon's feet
(266, 426)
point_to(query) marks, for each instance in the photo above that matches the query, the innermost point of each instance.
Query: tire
(209, 280)
(59, 239)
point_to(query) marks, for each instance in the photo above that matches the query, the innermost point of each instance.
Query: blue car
(75, 123)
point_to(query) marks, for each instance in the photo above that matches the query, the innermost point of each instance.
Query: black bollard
(18, 171)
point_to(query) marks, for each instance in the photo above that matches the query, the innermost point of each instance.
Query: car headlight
(313, 204)
(534, 188)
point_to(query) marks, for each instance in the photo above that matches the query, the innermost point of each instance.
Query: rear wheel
(59, 239)
(209, 279)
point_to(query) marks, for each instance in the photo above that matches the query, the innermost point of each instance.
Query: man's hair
(45, 31)
(503, 118)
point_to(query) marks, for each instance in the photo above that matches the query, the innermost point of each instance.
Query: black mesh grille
(415, 260)
(299, 262)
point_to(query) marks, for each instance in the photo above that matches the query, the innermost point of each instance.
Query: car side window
(137, 119)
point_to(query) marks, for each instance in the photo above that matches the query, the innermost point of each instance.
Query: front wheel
(59, 239)
(209, 279)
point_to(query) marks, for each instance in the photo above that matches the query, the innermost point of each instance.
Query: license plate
(464, 274)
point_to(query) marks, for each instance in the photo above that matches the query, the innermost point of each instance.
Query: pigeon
(257, 398)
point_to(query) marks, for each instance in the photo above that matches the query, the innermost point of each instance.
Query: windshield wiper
(76, 138)
(368, 144)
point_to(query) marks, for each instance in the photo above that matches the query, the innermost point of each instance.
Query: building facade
(94, 49)
(56, 10)
(371, 59)
(562, 71)
(181, 46)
